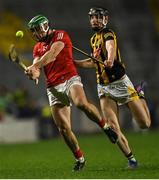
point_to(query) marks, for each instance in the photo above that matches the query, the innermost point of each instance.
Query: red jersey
(63, 67)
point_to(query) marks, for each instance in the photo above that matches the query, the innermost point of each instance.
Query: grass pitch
(51, 159)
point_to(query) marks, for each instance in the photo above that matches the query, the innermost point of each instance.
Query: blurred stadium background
(24, 111)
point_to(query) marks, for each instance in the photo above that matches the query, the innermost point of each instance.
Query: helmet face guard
(100, 14)
(39, 27)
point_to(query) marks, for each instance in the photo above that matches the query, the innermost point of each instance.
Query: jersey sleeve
(109, 35)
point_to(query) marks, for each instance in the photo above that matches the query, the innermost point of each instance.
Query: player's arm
(110, 47)
(85, 63)
(34, 70)
(50, 55)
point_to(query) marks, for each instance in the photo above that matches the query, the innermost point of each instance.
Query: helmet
(100, 13)
(39, 26)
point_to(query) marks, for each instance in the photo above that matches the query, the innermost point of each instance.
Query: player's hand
(109, 63)
(33, 73)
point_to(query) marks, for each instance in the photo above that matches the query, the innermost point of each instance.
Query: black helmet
(101, 14)
(98, 11)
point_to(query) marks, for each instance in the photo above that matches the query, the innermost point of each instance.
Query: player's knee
(63, 129)
(83, 105)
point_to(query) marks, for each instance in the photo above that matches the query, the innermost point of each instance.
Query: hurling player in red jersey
(53, 52)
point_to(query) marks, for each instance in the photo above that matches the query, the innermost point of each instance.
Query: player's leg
(110, 110)
(144, 103)
(139, 107)
(61, 116)
(140, 88)
(78, 96)
(140, 112)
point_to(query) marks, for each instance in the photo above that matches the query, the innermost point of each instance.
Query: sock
(79, 155)
(103, 124)
(131, 157)
(81, 159)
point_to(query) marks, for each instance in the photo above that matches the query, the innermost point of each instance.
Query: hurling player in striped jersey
(113, 85)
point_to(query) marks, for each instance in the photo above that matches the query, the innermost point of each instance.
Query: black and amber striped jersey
(106, 75)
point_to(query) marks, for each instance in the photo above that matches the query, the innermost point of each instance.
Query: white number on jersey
(60, 36)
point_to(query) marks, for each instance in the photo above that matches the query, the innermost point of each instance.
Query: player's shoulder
(57, 31)
(108, 33)
(108, 30)
(61, 35)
